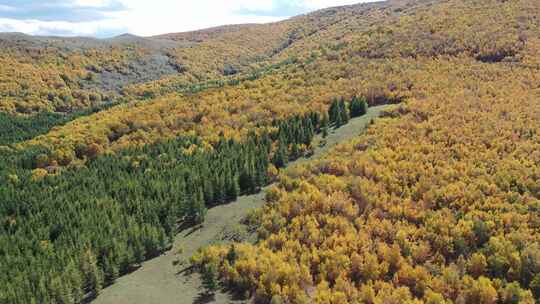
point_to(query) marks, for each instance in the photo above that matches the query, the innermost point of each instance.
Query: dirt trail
(160, 281)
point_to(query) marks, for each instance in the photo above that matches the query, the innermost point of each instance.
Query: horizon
(112, 18)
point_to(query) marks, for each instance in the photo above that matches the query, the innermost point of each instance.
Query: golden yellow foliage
(435, 203)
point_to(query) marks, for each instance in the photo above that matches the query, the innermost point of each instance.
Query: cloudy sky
(106, 18)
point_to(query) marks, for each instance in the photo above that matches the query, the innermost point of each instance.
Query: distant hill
(64, 74)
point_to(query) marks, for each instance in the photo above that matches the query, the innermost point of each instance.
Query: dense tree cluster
(339, 113)
(50, 78)
(63, 236)
(437, 203)
(64, 75)
(356, 55)
(19, 128)
(358, 106)
(54, 79)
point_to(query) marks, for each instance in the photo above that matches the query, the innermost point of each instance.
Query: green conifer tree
(281, 156)
(343, 111)
(325, 132)
(357, 107)
(210, 278)
(333, 111)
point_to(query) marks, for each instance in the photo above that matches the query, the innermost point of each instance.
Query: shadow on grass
(185, 225)
(186, 271)
(204, 297)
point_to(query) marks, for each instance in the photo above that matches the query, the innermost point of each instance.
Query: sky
(107, 18)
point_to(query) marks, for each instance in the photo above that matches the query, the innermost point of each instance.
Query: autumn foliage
(438, 202)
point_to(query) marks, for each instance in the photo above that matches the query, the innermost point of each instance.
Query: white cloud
(317, 4)
(61, 28)
(146, 18)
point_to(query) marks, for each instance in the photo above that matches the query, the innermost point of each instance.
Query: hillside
(437, 203)
(111, 145)
(63, 74)
(384, 70)
(167, 278)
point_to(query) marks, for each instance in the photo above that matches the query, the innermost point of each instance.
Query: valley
(159, 280)
(426, 191)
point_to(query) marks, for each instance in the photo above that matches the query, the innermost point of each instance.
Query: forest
(83, 228)
(437, 203)
(20, 128)
(106, 152)
(331, 68)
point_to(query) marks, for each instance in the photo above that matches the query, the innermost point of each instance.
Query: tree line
(16, 128)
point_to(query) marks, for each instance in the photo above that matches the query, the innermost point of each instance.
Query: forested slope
(438, 203)
(355, 56)
(63, 236)
(65, 74)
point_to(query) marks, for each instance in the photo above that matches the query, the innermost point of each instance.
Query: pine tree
(210, 278)
(246, 181)
(209, 191)
(315, 119)
(111, 270)
(262, 168)
(343, 111)
(363, 106)
(61, 291)
(200, 208)
(233, 188)
(74, 276)
(358, 107)
(333, 111)
(309, 131)
(91, 271)
(281, 156)
(266, 143)
(196, 210)
(232, 255)
(354, 107)
(339, 120)
(221, 188)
